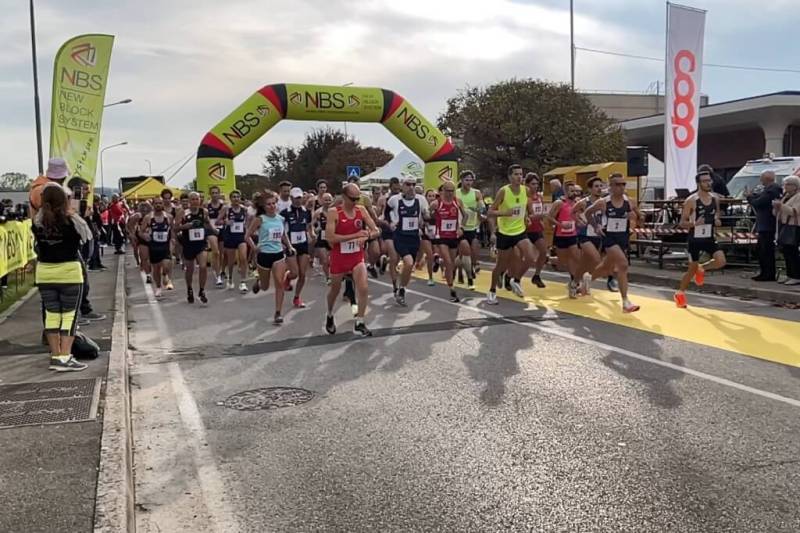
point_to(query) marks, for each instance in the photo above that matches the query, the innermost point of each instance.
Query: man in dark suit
(761, 200)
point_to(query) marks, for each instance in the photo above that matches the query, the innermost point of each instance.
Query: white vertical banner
(684, 62)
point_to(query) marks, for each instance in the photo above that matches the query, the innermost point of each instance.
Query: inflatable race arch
(273, 103)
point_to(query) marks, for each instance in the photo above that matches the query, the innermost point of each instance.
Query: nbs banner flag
(80, 77)
(685, 28)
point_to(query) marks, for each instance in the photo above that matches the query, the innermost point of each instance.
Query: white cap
(296, 192)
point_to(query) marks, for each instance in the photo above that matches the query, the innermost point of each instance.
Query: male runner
(565, 237)
(319, 223)
(469, 246)
(298, 228)
(272, 240)
(347, 236)
(158, 236)
(214, 207)
(406, 211)
(426, 246)
(701, 214)
(388, 254)
(233, 220)
(284, 201)
(589, 241)
(510, 208)
(195, 227)
(448, 214)
(618, 213)
(535, 229)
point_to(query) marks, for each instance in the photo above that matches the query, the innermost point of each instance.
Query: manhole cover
(267, 398)
(52, 402)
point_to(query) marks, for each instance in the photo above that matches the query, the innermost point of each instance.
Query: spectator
(761, 199)
(59, 273)
(787, 210)
(556, 190)
(95, 263)
(718, 186)
(116, 219)
(56, 173)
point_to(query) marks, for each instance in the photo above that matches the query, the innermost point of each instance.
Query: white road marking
(211, 482)
(603, 346)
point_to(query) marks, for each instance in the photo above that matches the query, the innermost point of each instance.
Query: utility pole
(572, 43)
(36, 94)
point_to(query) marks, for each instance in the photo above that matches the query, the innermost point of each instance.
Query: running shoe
(287, 285)
(242, 287)
(471, 284)
(354, 309)
(203, 298)
(400, 297)
(435, 264)
(230, 285)
(190, 296)
(93, 316)
(157, 292)
(699, 276)
(219, 282)
(454, 296)
(384, 263)
(507, 282)
(297, 302)
(170, 286)
(70, 365)
(537, 280)
(628, 307)
(516, 288)
(680, 299)
(148, 279)
(372, 271)
(572, 289)
(460, 276)
(278, 319)
(476, 267)
(361, 329)
(256, 287)
(491, 298)
(330, 327)
(612, 284)
(586, 288)
(431, 283)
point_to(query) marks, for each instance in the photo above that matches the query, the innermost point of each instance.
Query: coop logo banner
(80, 77)
(329, 102)
(685, 34)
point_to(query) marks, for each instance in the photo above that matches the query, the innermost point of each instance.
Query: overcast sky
(186, 64)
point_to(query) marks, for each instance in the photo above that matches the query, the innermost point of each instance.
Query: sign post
(353, 171)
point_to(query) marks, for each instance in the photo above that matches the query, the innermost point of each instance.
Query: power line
(713, 65)
(180, 167)
(181, 158)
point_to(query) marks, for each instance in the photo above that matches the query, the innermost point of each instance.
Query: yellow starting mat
(766, 338)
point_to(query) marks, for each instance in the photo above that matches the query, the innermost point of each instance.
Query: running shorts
(406, 246)
(616, 239)
(506, 242)
(469, 236)
(192, 249)
(158, 254)
(534, 236)
(695, 247)
(450, 243)
(322, 243)
(231, 241)
(597, 241)
(565, 242)
(266, 260)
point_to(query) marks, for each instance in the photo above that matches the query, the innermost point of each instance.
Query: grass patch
(15, 291)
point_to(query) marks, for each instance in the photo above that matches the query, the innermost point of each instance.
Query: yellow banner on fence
(16, 246)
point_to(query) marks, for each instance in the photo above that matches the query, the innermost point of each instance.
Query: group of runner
(356, 235)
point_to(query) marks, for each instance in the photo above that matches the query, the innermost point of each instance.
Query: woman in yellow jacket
(59, 275)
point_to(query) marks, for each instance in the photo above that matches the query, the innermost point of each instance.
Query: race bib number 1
(703, 231)
(197, 234)
(350, 247)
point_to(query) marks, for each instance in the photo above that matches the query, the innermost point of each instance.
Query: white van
(749, 175)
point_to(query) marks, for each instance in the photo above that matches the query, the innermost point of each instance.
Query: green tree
(15, 181)
(252, 183)
(279, 164)
(535, 123)
(351, 153)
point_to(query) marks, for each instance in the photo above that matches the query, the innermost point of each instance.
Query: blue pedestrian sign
(353, 171)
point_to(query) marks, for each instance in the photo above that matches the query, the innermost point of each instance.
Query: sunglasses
(618, 184)
(449, 190)
(352, 199)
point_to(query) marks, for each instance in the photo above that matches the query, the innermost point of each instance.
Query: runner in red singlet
(349, 227)
(449, 215)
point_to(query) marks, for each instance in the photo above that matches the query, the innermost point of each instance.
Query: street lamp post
(572, 44)
(149, 167)
(102, 178)
(126, 101)
(36, 94)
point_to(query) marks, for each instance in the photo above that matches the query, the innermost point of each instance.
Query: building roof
(562, 171)
(744, 112)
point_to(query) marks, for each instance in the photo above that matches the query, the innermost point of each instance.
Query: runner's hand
(493, 239)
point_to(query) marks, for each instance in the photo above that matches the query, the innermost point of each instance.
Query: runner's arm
(717, 218)
(251, 230)
(495, 211)
(330, 227)
(553, 213)
(686, 213)
(373, 229)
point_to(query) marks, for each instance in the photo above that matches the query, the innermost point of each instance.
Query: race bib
(449, 225)
(702, 231)
(410, 224)
(275, 235)
(516, 212)
(350, 247)
(237, 227)
(617, 225)
(197, 234)
(160, 236)
(590, 232)
(431, 232)
(538, 208)
(298, 237)
(472, 218)
(568, 226)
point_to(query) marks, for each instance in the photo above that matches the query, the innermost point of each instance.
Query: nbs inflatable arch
(273, 103)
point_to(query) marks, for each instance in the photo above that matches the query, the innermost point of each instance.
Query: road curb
(5, 315)
(114, 501)
(755, 293)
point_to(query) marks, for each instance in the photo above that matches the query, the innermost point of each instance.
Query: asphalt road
(455, 417)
